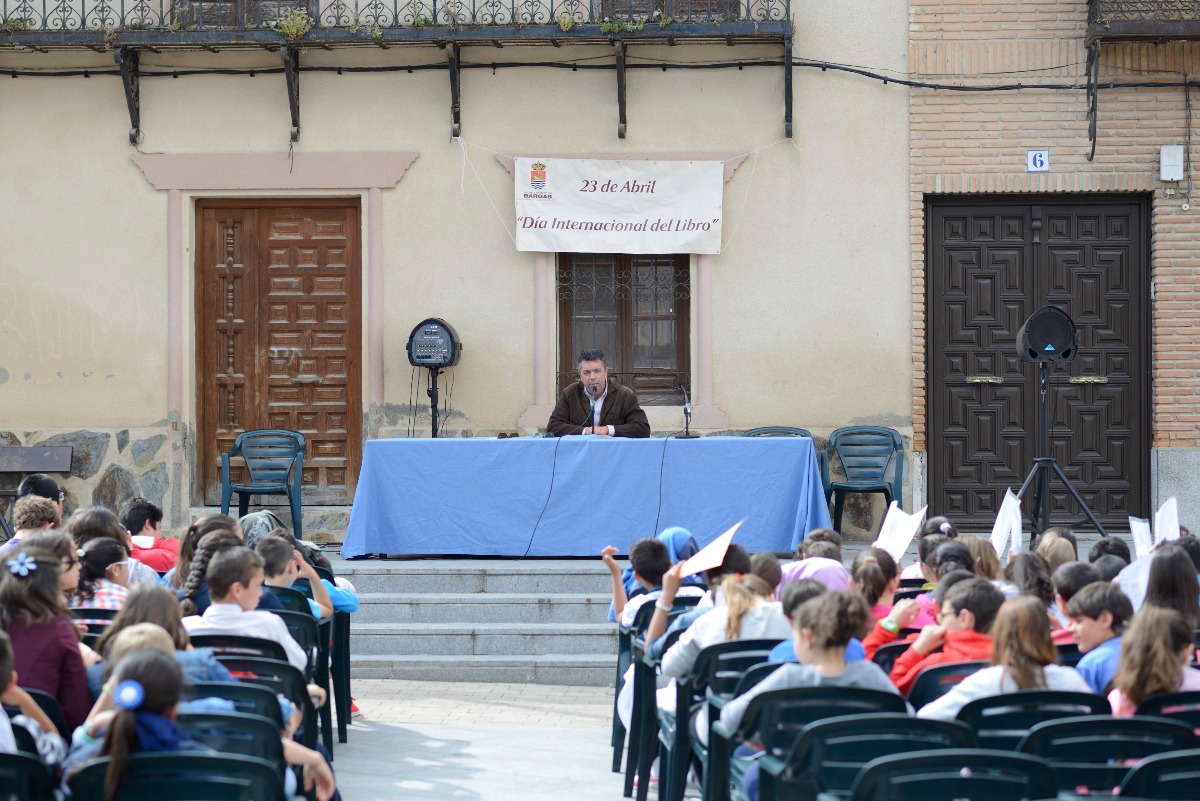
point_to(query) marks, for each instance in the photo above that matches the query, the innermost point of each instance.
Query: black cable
(550, 492)
(412, 404)
(661, 465)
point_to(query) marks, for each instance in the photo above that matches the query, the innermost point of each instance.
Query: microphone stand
(687, 415)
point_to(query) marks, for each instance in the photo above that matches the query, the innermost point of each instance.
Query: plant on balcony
(565, 21)
(15, 25)
(293, 24)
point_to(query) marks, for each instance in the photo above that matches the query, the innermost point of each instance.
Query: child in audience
(950, 555)
(933, 527)
(767, 567)
(194, 597)
(1110, 566)
(58, 543)
(736, 561)
(1099, 614)
(795, 593)
(681, 546)
(44, 640)
(905, 613)
(155, 604)
(93, 522)
(1030, 572)
(51, 746)
(1172, 583)
(339, 593)
(876, 580)
(1023, 658)
(177, 576)
(235, 579)
(650, 560)
(143, 520)
(31, 514)
(1057, 546)
(965, 619)
(103, 577)
(1155, 652)
(1114, 546)
(823, 628)
(816, 536)
(280, 569)
(1069, 579)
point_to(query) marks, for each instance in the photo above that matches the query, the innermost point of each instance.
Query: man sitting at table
(596, 405)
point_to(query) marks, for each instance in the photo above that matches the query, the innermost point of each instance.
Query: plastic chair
(49, 704)
(643, 736)
(25, 777)
(274, 459)
(954, 773)
(865, 453)
(675, 729)
(184, 776)
(1069, 654)
(777, 431)
(239, 645)
(1181, 706)
(886, 655)
(282, 678)
(908, 594)
(293, 600)
(339, 651)
(1174, 775)
(776, 718)
(235, 733)
(1001, 721)
(912, 583)
(935, 681)
(641, 621)
(1090, 751)
(248, 699)
(828, 754)
(314, 639)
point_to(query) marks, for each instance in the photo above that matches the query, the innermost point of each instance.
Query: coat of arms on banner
(537, 175)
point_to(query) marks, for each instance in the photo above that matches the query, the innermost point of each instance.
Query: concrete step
(483, 639)
(396, 608)
(472, 576)
(562, 669)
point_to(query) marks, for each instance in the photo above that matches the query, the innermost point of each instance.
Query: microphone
(687, 414)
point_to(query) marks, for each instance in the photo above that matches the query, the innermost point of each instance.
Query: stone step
(521, 608)
(483, 639)
(564, 669)
(468, 576)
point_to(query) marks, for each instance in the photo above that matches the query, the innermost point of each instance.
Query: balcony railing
(1149, 20)
(374, 18)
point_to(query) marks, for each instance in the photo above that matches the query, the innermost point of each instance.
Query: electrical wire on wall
(1187, 141)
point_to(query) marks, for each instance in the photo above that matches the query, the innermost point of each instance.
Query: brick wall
(972, 142)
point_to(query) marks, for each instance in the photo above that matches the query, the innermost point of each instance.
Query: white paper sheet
(1017, 544)
(1002, 529)
(1166, 521)
(898, 530)
(1143, 542)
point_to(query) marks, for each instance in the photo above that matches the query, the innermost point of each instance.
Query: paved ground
(478, 742)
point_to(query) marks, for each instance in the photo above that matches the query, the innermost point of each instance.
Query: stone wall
(109, 466)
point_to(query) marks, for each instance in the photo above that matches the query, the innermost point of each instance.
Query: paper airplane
(711, 555)
(898, 530)
(1166, 528)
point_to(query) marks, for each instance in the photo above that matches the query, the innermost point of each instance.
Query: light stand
(1044, 464)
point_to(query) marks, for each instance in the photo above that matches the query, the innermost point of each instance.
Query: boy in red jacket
(964, 621)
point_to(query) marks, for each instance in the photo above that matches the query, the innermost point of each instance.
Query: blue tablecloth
(572, 496)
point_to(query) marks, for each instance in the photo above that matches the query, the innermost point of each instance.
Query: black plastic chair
(1001, 721)
(828, 754)
(886, 655)
(1069, 654)
(1173, 776)
(1091, 751)
(25, 777)
(908, 594)
(49, 704)
(954, 773)
(248, 699)
(935, 681)
(1181, 706)
(641, 621)
(184, 776)
(239, 645)
(776, 718)
(235, 733)
(865, 453)
(643, 736)
(293, 600)
(912, 583)
(339, 651)
(22, 737)
(314, 637)
(274, 459)
(282, 678)
(777, 431)
(710, 670)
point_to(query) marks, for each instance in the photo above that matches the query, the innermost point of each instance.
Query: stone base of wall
(109, 466)
(1176, 471)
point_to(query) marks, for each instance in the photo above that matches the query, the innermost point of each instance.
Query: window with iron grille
(635, 308)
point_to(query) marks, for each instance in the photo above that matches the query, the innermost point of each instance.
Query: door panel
(278, 333)
(991, 265)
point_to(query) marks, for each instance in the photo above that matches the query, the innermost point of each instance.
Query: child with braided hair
(177, 576)
(194, 597)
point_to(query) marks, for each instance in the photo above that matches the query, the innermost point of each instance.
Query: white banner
(593, 206)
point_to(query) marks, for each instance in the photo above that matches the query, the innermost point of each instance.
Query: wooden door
(991, 265)
(278, 336)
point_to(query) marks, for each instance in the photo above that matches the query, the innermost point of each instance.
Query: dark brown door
(278, 336)
(991, 265)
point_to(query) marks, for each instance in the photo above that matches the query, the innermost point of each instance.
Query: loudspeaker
(1047, 336)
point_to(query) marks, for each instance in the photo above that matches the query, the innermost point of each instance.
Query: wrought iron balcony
(1142, 20)
(265, 23)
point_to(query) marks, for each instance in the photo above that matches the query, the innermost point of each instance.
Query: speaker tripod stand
(1045, 464)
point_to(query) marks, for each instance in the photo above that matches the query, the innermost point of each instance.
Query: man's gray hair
(592, 355)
